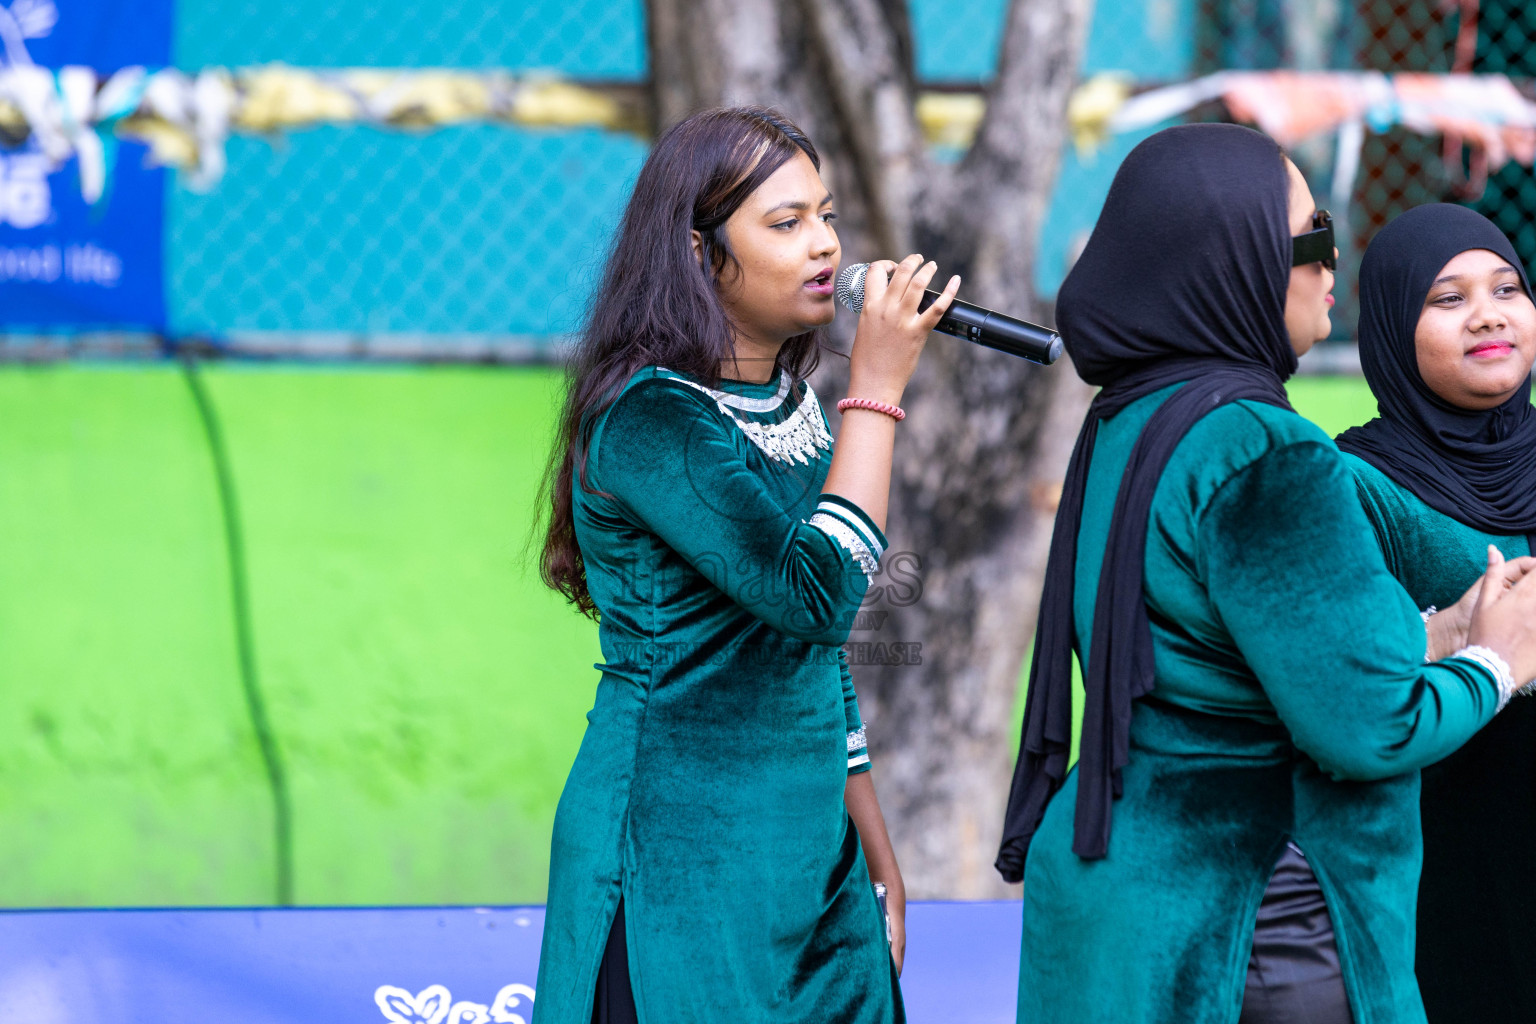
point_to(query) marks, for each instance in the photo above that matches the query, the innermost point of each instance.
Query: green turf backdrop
(426, 694)
(427, 691)
(128, 773)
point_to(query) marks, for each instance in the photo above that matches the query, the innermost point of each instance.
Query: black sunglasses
(1316, 246)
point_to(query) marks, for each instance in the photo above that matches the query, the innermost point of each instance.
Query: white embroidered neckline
(797, 438)
(754, 404)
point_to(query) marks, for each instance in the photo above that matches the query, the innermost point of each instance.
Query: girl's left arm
(864, 809)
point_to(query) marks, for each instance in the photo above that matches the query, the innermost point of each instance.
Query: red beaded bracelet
(895, 412)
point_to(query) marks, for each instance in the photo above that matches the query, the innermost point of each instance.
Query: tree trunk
(982, 454)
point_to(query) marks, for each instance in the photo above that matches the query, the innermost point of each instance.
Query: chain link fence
(1506, 44)
(1397, 169)
(445, 239)
(470, 237)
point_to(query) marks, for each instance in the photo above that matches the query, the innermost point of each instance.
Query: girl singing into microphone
(715, 843)
(1447, 337)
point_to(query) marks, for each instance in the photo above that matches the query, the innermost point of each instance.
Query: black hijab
(1183, 280)
(1478, 467)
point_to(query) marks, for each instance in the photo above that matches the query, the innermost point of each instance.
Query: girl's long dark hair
(656, 305)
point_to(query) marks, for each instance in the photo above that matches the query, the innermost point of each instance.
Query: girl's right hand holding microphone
(891, 331)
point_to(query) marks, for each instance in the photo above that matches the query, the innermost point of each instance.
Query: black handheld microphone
(963, 320)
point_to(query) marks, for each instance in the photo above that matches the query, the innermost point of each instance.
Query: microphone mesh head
(850, 286)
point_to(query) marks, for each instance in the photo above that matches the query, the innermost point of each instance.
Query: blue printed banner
(401, 965)
(80, 237)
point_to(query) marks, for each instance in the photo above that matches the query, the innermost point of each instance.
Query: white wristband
(1496, 666)
(1425, 615)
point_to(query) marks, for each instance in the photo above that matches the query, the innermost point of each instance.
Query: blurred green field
(1333, 403)
(425, 693)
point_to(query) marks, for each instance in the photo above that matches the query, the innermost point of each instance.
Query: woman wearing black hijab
(1257, 702)
(1447, 337)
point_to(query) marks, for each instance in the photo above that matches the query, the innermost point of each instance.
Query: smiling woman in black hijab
(1257, 703)
(1447, 337)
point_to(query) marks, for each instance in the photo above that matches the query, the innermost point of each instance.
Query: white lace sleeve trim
(841, 511)
(858, 748)
(1496, 666)
(836, 528)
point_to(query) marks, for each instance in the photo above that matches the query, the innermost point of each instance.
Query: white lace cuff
(858, 748)
(846, 524)
(1496, 666)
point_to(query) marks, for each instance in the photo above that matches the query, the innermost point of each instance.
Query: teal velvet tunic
(1291, 703)
(708, 790)
(1433, 556)
(1476, 917)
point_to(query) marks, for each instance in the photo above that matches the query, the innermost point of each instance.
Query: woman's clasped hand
(1450, 629)
(1504, 614)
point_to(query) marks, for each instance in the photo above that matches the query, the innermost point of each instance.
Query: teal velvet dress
(708, 790)
(1477, 901)
(1291, 703)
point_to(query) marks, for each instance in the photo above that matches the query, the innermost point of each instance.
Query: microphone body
(963, 320)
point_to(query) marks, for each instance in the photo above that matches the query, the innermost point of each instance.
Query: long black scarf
(1183, 280)
(1478, 467)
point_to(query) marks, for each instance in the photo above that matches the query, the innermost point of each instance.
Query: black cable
(244, 637)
